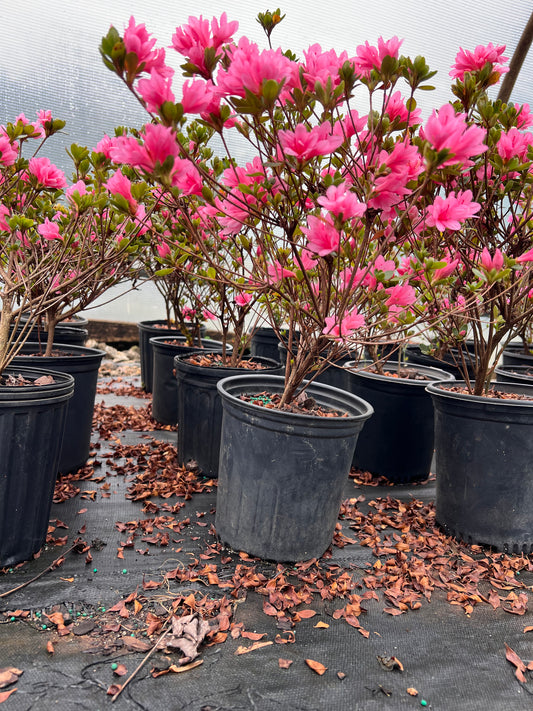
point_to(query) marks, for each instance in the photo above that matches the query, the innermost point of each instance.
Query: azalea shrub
(62, 245)
(350, 215)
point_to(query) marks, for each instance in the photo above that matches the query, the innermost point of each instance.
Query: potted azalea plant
(88, 235)
(33, 401)
(315, 212)
(472, 246)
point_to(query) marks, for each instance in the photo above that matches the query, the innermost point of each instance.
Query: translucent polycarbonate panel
(50, 58)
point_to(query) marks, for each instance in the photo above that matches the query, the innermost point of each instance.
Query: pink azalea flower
(155, 90)
(305, 143)
(163, 250)
(198, 96)
(319, 66)
(396, 109)
(351, 322)
(513, 144)
(277, 272)
(193, 39)
(243, 299)
(400, 295)
(468, 61)
(49, 230)
(118, 183)
(4, 214)
(8, 152)
(380, 265)
(159, 144)
(322, 236)
(448, 130)
(526, 257)
(138, 41)
(350, 125)
(250, 68)
(343, 203)
(444, 272)
(368, 57)
(186, 177)
(78, 187)
(491, 263)
(104, 146)
(524, 118)
(46, 173)
(450, 212)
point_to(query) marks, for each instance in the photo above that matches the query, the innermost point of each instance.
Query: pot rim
(277, 382)
(181, 359)
(439, 390)
(440, 374)
(81, 351)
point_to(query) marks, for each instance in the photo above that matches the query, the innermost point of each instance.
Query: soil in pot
(397, 442)
(32, 420)
(199, 406)
(282, 473)
(484, 465)
(83, 364)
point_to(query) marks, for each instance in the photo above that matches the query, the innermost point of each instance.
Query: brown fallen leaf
(188, 632)
(185, 667)
(6, 694)
(114, 689)
(50, 647)
(284, 663)
(412, 691)
(341, 675)
(9, 675)
(120, 670)
(305, 614)
(254, 636)
(136, 645)
(321, 625)
(528, 629)
(256, 645)
(515, 660)
(317, 667)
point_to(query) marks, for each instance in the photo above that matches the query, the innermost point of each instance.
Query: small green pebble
(95, 570)
(423, 702)
(103, 609)
(124, 571)
(114, 666)
(12, 619)
(37, 614)
(43, 627)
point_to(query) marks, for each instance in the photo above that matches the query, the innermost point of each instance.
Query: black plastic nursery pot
(32, 420)
(200, 410)
(264, 344)
(397, 442)
(83, 364)
(148, 330)
(164, 385)
(515, 374)
(281, 474)
(484, 466)
(414, 354)
(515, 355)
